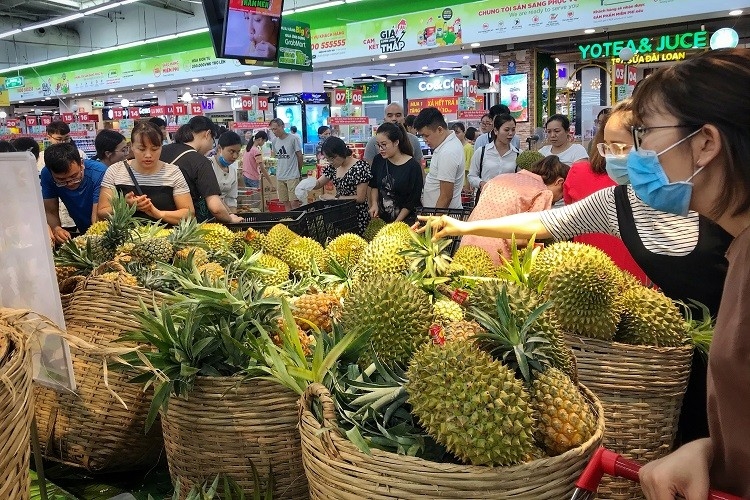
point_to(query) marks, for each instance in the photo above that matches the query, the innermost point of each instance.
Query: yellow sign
(653, 57)
(4, 94)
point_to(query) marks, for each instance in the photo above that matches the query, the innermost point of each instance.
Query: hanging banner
(68, 117)
(295, 50)
(45, 120)
(117, 113)
(196, 109)
(31, 121)
(619, 74)
(12, 122)
(157, 110)
(87, 117)
(247, 103)
(632, 75)
(134, 113)
(180, 109)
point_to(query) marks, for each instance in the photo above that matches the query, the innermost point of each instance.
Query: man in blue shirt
(75, 182)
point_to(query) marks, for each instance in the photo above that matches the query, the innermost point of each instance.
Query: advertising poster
(295, 51)
(252, 29)
(514, 93)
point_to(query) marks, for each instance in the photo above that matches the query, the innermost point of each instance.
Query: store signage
(87, 117)
(68, 117)
(169, 109)
(196, 108)
(438, 84)
(180, 109)
(14, 82)
(471, 114)
(31, 121)
(444, 104)
(295, 45)
(117, 113)
(207, 104)
(315, 97)
(348, 120)
(458, 87)
(97, 104)
(250, 125)
(247, 103)
(134, 112)
(342, 96)
(157, 110)
(632, 75)
(45, 120)
(11, 122)
(619, 73)
(646, 45)
(373, 91)
(288, 99)
(430, 86)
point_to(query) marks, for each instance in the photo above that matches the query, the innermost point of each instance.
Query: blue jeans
(251, 183)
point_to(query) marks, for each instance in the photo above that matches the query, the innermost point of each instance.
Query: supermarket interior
(268, 318)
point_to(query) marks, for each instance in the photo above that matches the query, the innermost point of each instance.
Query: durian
(470, 260)
(278, 237)
(301, 253)
(346, 250)
(216, 236)
(372, 229)
(650, 318)
(528, 158)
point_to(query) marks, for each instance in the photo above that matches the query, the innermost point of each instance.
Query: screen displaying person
(251, 35)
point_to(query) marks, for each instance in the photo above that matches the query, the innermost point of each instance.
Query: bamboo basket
(67, 287)
(224, 424)
(90, 428)
(641, 390)
(337, 470)
(17, 409)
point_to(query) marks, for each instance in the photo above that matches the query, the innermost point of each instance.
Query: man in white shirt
(394, 113)
(444, 181)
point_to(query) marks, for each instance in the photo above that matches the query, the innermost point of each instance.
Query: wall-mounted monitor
(251, 30)
(216, 11)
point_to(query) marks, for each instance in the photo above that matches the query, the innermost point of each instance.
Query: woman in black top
(396, 184)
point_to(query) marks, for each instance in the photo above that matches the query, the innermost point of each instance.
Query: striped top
(660, 232)
(169, 176)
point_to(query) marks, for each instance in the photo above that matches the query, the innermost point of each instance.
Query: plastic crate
(327, 219)
(456, 213)
(263, 221)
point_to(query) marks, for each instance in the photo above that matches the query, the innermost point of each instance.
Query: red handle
(608, 462)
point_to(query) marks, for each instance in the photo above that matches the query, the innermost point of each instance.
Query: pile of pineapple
(463, 361)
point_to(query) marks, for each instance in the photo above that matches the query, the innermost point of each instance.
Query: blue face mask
(223, 162)
(617, 168)
(652, 185)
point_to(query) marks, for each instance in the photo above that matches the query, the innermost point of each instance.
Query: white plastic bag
(305, 186)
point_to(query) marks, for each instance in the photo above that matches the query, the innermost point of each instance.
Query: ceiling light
(47, 98)
(248, 73)
(125, 103)
(476, 44)
(448, 62)
(196, 79)
(275, 77)
(329, 72)
(150, 85)
(119, 96)
(392, 64)
(736, 12)
(111, 90)
(389, 81)
(589, 31)
(383, 56)
(557, 59)
(425, 67)
(466, 57)
(25, 101)
(363, 74)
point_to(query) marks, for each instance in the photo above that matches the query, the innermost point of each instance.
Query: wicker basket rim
(627, 349)
(316, 390)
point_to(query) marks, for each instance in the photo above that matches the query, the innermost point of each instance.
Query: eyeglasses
(383, 145)
(59, 139)
(613, 148)
(70, 181)
(640, 132)
(123, 151)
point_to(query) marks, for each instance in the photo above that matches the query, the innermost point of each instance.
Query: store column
(291, 83)
(522, 61)
(167, 97)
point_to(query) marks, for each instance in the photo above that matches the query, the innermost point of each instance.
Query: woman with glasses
(111, 147)
(396, 183)
(691, 156)
(558, 137)
(681, 254)
(349, 175)
(589, 176)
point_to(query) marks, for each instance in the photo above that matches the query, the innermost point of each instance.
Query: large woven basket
(641, 390)
(90, 428)
(336, 469)
(17, 409)
(227, 423)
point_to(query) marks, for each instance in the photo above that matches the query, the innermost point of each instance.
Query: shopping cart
(612, 464)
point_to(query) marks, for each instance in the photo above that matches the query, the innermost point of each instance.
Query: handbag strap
(481, 163)
(136, 186)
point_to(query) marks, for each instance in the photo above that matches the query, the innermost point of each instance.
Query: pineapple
(461, 330)
(153, 250)
(123, 278)
(198, 255)
(123, 253)
(447, 311)
(188, 233)
(425, 255)
(315, 308)
(97, 228)
(65, 272)
(212, 271)
(77, 253)
(512, 336)
(118, 230)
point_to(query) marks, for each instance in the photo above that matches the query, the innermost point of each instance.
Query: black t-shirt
(399, 186)
(198, 172)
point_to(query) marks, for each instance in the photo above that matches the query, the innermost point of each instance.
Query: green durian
(372, 229)
(650, 318)
(470, 260)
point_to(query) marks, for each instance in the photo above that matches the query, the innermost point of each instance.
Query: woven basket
(67, 287)
(641, 390)
(225, 424)
(17, 407)
(90, 428)
(336, 469)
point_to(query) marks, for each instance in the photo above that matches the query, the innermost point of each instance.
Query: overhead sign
(655, 45)
(247, 103)
(295, 47)
(348, 120)
(430, 86)
(13, 82)
(458, 87)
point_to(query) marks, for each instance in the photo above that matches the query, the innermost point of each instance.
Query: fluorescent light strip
(104, 50)
(65, 19)
(308, 8)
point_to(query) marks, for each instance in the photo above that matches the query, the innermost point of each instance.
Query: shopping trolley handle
(608, 462)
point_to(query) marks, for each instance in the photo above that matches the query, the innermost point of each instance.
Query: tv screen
(251, 30)
(216, 11)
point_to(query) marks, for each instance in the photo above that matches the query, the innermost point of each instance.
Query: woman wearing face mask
(496, 158)
(589, 176)
(682, 255)
(225, 166)
(557, 128)
(691, 156)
